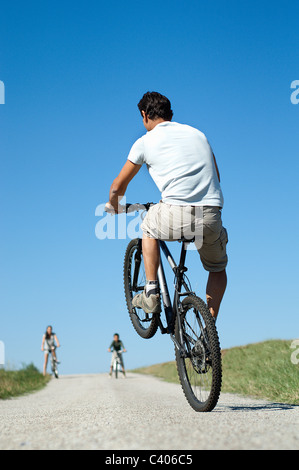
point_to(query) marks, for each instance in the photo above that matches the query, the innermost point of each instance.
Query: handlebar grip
(138, 207)
(129, 207)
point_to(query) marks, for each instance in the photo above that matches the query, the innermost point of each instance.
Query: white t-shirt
(180, 161)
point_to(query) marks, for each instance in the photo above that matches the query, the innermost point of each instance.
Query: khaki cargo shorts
(201, 223)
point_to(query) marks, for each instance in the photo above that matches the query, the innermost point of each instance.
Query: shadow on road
(261, 407)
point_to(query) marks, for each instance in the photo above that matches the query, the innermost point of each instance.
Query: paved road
(140, 412)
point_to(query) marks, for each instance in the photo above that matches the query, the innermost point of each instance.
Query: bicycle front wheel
(145, 324)
(199, 367)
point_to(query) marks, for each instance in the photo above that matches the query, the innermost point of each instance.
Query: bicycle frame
(116, 361)
(172, 311)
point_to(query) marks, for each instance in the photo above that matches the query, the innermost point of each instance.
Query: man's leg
(151, 257)
(216, 286)
(149, 300)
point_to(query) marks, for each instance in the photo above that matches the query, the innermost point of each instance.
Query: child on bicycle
(117, 349)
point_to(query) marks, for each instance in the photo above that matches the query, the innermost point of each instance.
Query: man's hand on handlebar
(112, 210)
(127, 207)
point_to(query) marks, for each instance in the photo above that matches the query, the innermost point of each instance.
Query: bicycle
(116, 365)
(54, 368)
(188, 322)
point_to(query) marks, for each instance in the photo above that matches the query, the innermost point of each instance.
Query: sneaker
(150, 304)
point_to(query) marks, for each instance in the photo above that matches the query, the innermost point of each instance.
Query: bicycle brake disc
(199, 358)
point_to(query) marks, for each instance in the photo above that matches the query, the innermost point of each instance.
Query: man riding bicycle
(117, 349)
(183, 166)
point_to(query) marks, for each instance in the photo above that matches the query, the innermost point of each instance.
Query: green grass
(261, 370)
(14, 383)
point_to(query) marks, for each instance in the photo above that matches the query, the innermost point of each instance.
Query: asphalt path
(139, 412)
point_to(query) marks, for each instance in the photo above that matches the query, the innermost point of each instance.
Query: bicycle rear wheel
(145, 324)
(200, 370)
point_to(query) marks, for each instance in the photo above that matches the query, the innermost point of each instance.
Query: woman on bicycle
(49, 344)
(117, 348)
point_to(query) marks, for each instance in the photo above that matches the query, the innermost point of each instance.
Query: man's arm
(119, 185)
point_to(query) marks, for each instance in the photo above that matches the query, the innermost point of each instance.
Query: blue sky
(73, 75)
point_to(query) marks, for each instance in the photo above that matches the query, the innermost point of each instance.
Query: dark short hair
(156, 106)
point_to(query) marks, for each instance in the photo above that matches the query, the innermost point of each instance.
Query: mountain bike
(116, 365)
(187, 320)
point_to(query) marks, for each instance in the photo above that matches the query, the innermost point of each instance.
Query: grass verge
(14, 383)
(261, 370)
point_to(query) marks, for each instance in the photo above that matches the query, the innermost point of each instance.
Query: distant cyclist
(117, 348)
(49, 344)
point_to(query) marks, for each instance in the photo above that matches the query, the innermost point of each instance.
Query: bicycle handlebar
(129, 208)
(138, 207)
(122, 351)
